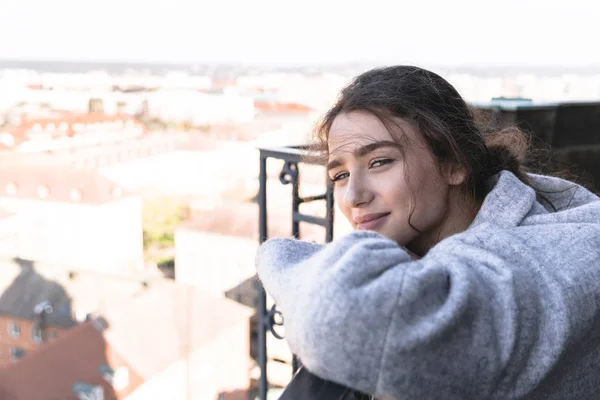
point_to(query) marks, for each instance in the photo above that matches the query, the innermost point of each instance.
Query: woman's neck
(458, 217)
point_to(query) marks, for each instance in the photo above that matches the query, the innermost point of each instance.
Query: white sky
(451, 32)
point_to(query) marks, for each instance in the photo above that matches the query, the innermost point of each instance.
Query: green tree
(161, 216)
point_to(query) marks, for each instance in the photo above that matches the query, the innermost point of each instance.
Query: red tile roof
(70, 119)
(82, 118)
(279, 107)
(146, 334)
(241, 220)
(58, 183)
(174, 315)
(51, 371)
(250, 130)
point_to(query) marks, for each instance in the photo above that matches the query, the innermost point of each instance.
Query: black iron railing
(293, 157)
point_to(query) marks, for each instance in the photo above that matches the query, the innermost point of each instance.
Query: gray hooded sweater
(508, 309)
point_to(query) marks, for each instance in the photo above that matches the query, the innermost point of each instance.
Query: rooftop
(241, 220)
(65, 123)
(51, 371)
(180, 318)
(177, 316)
(72, 295)
(58, 183)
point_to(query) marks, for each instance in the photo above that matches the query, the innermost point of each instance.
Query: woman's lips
(370, 221)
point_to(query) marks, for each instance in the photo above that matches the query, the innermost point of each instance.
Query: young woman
(466, 277)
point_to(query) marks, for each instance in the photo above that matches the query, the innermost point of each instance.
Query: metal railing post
(262, 298)
(290, 174)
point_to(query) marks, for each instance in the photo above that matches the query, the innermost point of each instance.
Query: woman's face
(377, 185)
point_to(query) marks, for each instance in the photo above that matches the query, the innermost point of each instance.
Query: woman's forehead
(357, 129)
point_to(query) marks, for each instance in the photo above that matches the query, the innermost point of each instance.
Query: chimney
(41, 311)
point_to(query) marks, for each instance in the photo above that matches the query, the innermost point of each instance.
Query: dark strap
(307, 386)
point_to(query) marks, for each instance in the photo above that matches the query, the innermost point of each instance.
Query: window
(86, 391)
(118, 379)
(15, 330)
(7, 139)
(11, 188)
(43, 191)
(75, 194)
(16, 353)
(36, 334)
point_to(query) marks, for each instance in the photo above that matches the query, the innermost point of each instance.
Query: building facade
(73, 218)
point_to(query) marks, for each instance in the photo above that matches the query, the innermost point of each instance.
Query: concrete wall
(222, 365)
(105, 237)
(212, 261)
(9, 239)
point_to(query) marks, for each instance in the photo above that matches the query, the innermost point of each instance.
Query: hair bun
(507, 150)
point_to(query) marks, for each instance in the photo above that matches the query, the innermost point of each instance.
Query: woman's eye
(380, 162)
(338, 177)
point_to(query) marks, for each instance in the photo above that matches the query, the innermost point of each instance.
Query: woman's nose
(357, 193)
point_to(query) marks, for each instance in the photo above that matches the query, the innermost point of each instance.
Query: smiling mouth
(371, 222)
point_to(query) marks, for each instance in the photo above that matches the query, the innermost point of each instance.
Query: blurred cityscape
(129, 221)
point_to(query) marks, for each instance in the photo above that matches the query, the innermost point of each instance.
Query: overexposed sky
(451, 32)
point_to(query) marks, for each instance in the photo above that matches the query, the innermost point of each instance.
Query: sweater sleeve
(362, 312)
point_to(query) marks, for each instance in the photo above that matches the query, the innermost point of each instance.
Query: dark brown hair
(450, 128)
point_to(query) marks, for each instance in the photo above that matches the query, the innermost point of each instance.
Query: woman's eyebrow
(363, 151)
(369, 148)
